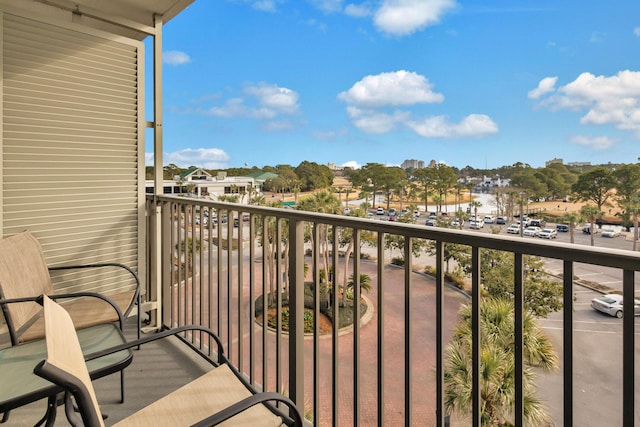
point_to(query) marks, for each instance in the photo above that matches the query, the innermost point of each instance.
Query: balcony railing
(388, 367)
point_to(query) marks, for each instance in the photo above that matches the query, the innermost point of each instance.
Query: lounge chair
(219, 397)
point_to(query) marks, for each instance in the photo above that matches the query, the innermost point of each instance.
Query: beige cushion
(84, 312)
(206, 395)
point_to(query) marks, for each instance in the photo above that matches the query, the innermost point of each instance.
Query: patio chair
(24, 274)
(20, 386)
(24, 277)
(221, 396)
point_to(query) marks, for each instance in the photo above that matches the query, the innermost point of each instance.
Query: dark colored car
(562, 227)
(501, 220)
(537, 223)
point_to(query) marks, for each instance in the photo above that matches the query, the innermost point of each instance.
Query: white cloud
(545, 86)
(474, 125)
(636, 31)
(597, 143)
(404, 17)
(358, 10)
(330, 134)
(264, 5)
(175, 57)
(327, 6)
(368, 102)
(395, 88)
(371, 121)
(596, 37)
(261, 101)
(608, 100)
(208, 158)
(353, 164)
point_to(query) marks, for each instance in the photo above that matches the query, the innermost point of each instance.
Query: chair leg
(122, 386)
(49, 418)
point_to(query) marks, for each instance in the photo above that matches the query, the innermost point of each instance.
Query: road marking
(608, 283)
(590, 274)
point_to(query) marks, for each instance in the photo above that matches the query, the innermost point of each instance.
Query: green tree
(626, 181)
(424, 179)
(571, 219)
(496, 365)
(591, 213)
(594, 186)
(444, 180)
(541, 296)
(322, 202)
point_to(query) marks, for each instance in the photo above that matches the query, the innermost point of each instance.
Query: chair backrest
(65, 365)
(23, 273)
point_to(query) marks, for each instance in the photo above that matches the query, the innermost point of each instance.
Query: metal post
(296, 310)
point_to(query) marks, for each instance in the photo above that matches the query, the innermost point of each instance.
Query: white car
(392, 213)
(416, 214)
(380, 211)
(489, 219)
(513, 229)
(476, 224)
(611, 304)
(610, 233)
(346, 211)
(532, 231)
(457, 222)
(548, 233)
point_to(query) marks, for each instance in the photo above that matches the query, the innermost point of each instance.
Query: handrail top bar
(609, 257)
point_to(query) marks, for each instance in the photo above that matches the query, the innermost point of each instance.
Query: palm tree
(572, 219)
(475, 204)
(322, 202)
(633, 208)
(496, 365)
(591, 213)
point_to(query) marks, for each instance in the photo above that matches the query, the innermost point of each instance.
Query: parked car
(404, 211)
(610, 232)
(457, 222)
(392, 218)
(488, 219)
(380, 211)
(346, 211)
(392, 212)
(586, 229)
(562, 228)
(532, 231)
(431, 223)
(611, 304)
(501, 220)
(416, 214)
(476, 225)
(548, 233)
(513, 229)
(537, 223)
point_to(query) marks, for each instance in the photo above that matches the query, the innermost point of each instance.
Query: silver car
(611, 304)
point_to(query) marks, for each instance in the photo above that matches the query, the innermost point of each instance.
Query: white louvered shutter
(72, 146)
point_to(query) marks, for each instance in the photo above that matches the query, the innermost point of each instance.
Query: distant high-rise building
(552, 161)
(412, 164)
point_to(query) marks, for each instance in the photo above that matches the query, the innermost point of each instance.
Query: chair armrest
(164, 334)
(247, 403)
(38, 299)
(136, 297)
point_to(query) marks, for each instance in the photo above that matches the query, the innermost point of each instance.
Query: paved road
(597, 365)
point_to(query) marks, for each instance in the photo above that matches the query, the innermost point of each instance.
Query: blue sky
(483, 83)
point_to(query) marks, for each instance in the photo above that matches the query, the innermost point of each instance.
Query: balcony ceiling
(123, 17)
